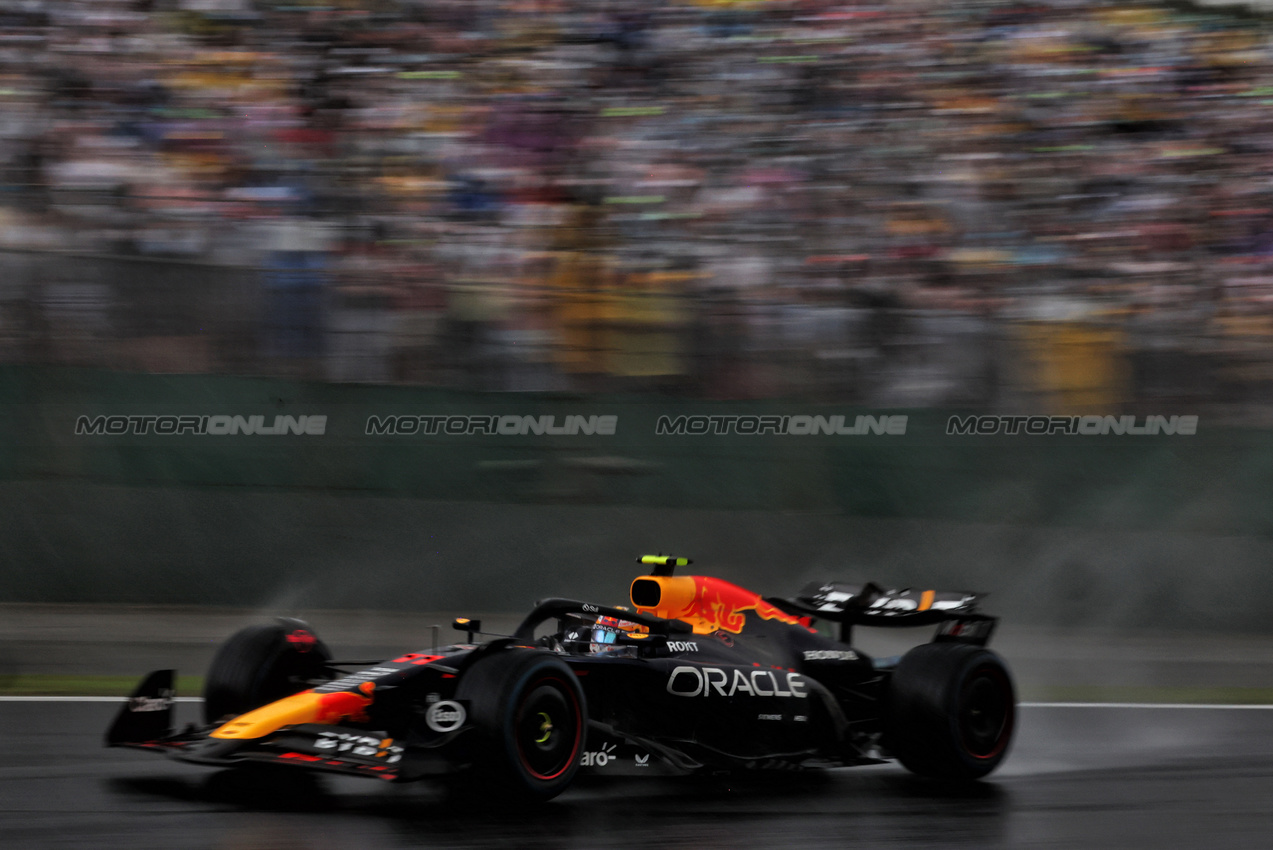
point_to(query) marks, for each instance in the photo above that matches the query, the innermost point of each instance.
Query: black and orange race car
(699, 674)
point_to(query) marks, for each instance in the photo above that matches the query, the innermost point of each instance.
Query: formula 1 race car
(700, 675)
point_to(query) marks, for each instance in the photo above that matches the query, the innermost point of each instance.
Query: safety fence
(295, 315)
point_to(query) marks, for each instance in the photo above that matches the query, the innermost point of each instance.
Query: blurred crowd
(736, 198)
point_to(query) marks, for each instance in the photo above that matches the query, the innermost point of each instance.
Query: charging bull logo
(710, 604)
(305, 707)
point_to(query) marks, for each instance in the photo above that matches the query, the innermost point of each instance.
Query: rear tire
(531, 721)
(260, 664)
(952, 711)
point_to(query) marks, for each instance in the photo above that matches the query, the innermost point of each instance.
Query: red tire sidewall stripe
(574, 753)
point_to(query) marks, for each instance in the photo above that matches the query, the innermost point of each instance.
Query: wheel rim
(548, 726)
(986, 713)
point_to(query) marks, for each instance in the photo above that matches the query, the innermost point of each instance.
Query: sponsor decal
(314, 426)
(509, 425)
(830, 599)
(768, 716)
(708, 681)
(641, 760)
(965, 629)
(162, 702)
(903, 604)
(353, 680)
(795, 425)
(682, 646)
(445, 716)
(592, 609)
(598, 758)
(1082, 425)
(364, 746)
(830, 655)
(417, 658)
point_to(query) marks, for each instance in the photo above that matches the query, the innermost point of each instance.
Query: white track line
(1186, 705)
(85, 699)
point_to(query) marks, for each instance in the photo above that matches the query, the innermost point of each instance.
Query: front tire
(260, 664)
(531, 720)
(952, 711)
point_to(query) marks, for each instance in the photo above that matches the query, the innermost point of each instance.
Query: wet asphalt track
(1077, 777)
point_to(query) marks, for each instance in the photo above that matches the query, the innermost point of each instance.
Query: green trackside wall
(1163, 530)
(1217, 481)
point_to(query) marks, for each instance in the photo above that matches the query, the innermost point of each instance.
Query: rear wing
(955, 613)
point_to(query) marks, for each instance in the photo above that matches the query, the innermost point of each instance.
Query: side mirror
(470, 627)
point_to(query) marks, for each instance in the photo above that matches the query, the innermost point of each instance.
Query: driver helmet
(606, 631)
